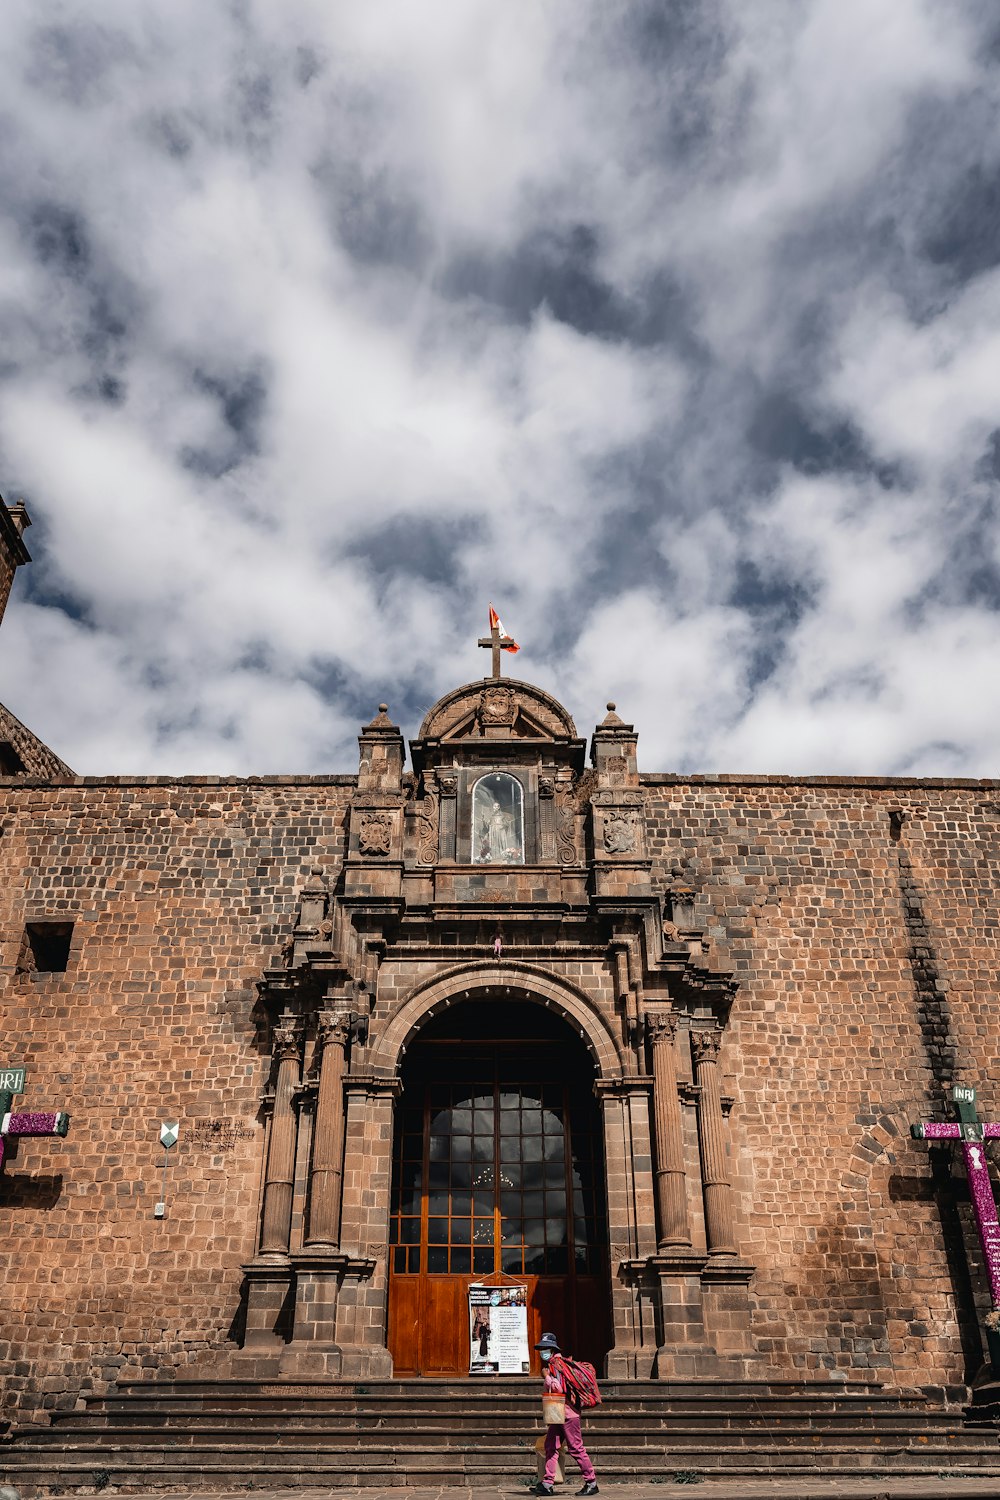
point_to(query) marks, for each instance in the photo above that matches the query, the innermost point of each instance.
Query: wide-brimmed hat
(548, 1341)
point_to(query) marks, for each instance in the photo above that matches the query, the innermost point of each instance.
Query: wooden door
(497, 1167)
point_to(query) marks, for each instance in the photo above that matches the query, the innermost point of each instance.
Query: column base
(310, 1363)
(702, 1313)
(320, 1271)
(269, 1287)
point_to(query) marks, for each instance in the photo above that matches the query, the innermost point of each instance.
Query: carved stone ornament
(427, 824)
(375, 833)
(566, 823)
(448, 785)
(705, 1045)
(661, 1026)
(605, 798)
(497, 706)
(546, 787)
(285, 1039)
(333, 1026)
(621, 831)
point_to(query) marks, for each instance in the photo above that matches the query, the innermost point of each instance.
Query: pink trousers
(571, 1435)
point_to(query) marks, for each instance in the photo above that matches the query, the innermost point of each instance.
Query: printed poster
(498, 1330)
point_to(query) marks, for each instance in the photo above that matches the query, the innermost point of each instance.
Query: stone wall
(858, 916)
(180, 894)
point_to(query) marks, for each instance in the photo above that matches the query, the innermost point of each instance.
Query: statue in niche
(498, 821)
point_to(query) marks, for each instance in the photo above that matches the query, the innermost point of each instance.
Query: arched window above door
(497, 834)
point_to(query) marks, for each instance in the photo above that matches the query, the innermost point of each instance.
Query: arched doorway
(497, 1168)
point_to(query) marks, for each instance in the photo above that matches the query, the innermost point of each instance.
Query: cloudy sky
(670, 328)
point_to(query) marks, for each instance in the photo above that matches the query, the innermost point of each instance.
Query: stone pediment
(504, 707)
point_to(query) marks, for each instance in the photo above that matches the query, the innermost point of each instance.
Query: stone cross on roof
(498, 640)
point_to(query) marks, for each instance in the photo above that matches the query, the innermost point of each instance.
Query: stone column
(327, 1174)
(671, 1189)
(279, 1173)
(711, 1136)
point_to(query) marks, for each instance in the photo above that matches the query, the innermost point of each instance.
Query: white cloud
(237, 375)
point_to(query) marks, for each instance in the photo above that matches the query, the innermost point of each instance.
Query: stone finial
(381, 719)
(611, 719)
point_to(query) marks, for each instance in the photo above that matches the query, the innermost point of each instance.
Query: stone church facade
(500, 1003)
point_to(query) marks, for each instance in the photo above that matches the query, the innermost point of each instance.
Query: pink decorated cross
(972, 1134)
(29, 1122)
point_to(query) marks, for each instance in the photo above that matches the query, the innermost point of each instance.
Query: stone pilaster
(631, 1235)
(673, 1229)
(269, 1276)
(716, 1185)
(326, 1176)
(279, 1173)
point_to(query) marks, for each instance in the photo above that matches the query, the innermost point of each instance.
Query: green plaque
(11, 1080)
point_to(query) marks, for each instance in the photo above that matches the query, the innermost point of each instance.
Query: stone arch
(524, 982)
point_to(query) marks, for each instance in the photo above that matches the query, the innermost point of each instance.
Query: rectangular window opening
(11, 763)
(46, 947)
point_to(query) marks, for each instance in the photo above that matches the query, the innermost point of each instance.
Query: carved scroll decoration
(427, 825)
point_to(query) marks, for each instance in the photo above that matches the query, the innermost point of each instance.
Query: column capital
(661, 1025)
(705, 1045)
(333, 1026)
(286, 1037)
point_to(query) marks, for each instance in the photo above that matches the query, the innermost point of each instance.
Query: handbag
(553, 1409)
(540, 1462)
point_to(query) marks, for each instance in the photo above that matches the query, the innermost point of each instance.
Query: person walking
(569, 1432)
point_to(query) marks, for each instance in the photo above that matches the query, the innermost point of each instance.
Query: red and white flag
(507, 642)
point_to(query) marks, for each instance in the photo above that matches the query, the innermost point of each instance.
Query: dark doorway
(497, 1168)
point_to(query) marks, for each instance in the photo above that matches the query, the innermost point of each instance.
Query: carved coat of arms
(375, 833)
(497, 706)
(621, 832)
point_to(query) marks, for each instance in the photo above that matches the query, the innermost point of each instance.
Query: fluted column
(327, 1174)
(279, 1173)
(711, 1136)
(671, 1191)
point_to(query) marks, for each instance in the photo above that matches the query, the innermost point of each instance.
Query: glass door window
(496, 1172)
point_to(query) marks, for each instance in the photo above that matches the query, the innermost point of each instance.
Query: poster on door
(498, 1330)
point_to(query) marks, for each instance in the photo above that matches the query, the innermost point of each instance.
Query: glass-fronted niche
(497, 834)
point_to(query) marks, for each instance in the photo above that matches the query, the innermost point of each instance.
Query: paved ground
(847, 1487)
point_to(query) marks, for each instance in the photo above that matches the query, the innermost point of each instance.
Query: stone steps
(509, 1424)
(398, 1469)
(221, 1434)
(270, 1438)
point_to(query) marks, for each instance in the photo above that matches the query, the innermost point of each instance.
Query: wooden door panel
(444, 1326)
(404, 1323)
